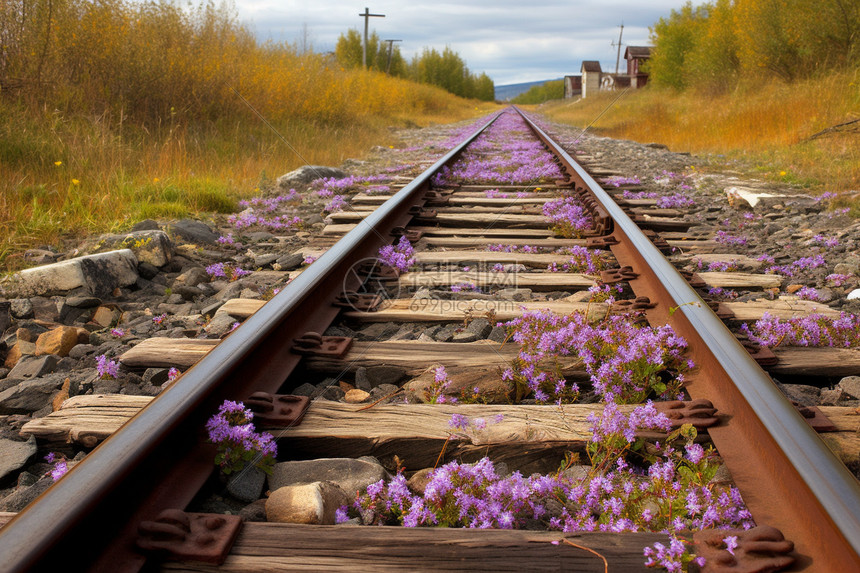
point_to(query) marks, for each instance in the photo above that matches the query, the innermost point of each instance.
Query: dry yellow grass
(764, 126)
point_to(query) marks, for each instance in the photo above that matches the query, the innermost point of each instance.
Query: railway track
(159, 460)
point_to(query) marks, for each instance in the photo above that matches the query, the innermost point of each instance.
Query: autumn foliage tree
(445, 69)
(712, 45)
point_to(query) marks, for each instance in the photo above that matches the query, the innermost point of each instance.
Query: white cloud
(511, 40)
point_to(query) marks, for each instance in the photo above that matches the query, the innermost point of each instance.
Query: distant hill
(509, 91)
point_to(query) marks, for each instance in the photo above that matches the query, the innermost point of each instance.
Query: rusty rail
(789, 478)
(95, 509)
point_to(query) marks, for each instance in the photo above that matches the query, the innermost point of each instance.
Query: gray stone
(265, 260)
(5, 315)
(40, 256)
(30, 395)
(802, 394)
(377, 331)
(20, 498)
(334, 393)
(446, 333)
(247, 485)
(478, 329)
(146, 225)
(831, 396)
(289, 262)
(193, 232)
(377, 375)
(45, 309)
(155, 376)
(259, 236)
(498, 334)
(192, 277)
(21, 308)
(83, 301)
(851, 386)
(221, 324)
(13, 454)
(351, 475)
(147, 270)
(34, 366)
(97, 275)
(81, 350)
(419, 480)
(254, 511)
(153, 247)
(311, 504)
(304, 175)
(304, 390)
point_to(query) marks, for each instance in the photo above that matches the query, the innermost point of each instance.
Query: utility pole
(617, 57)
(390, 49)
(367, 16)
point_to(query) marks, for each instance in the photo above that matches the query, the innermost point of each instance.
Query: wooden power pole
(617, 57)
(367, 16)
(390, 49)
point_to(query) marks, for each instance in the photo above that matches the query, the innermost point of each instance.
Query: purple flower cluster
(500, 248)
(723, 266)
(675, 201)
(625, 361)
(248, 218)
(238, 442)
(60, 466)
(582, 260)
(271, 204)
(328, 186)
(523, 160)
(720, 292)
(567, 216)
(436, 391)
(226, 271)
(337, 203)
(464, 287)
(810, 330)
(673, 493)
(398, 256)
(839, 279)
(725, 238)
(618, 181)
(801, 264)
(627, 194)
(228, 240)
(106, 368)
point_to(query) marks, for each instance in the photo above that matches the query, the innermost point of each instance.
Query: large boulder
(304, 175)
(149, 246)
(97, 274)
(192, 231)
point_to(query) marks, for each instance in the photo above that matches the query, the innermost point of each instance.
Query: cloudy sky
(512, 41)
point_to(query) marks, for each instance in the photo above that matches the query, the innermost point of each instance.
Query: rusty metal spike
(180, 536)
(761, 549)
(277, 410)
(312, 344)
(700, 413)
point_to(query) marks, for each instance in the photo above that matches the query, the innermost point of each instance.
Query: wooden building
(572, 86)
(636, 56)
(590, 77)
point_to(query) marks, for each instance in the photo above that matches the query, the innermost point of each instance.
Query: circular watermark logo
(376, 282)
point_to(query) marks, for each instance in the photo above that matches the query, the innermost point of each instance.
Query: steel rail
(95, 508)
(789, 478)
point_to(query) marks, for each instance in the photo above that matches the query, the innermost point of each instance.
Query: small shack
(590, 77)
(636, 56)
(572, 86)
